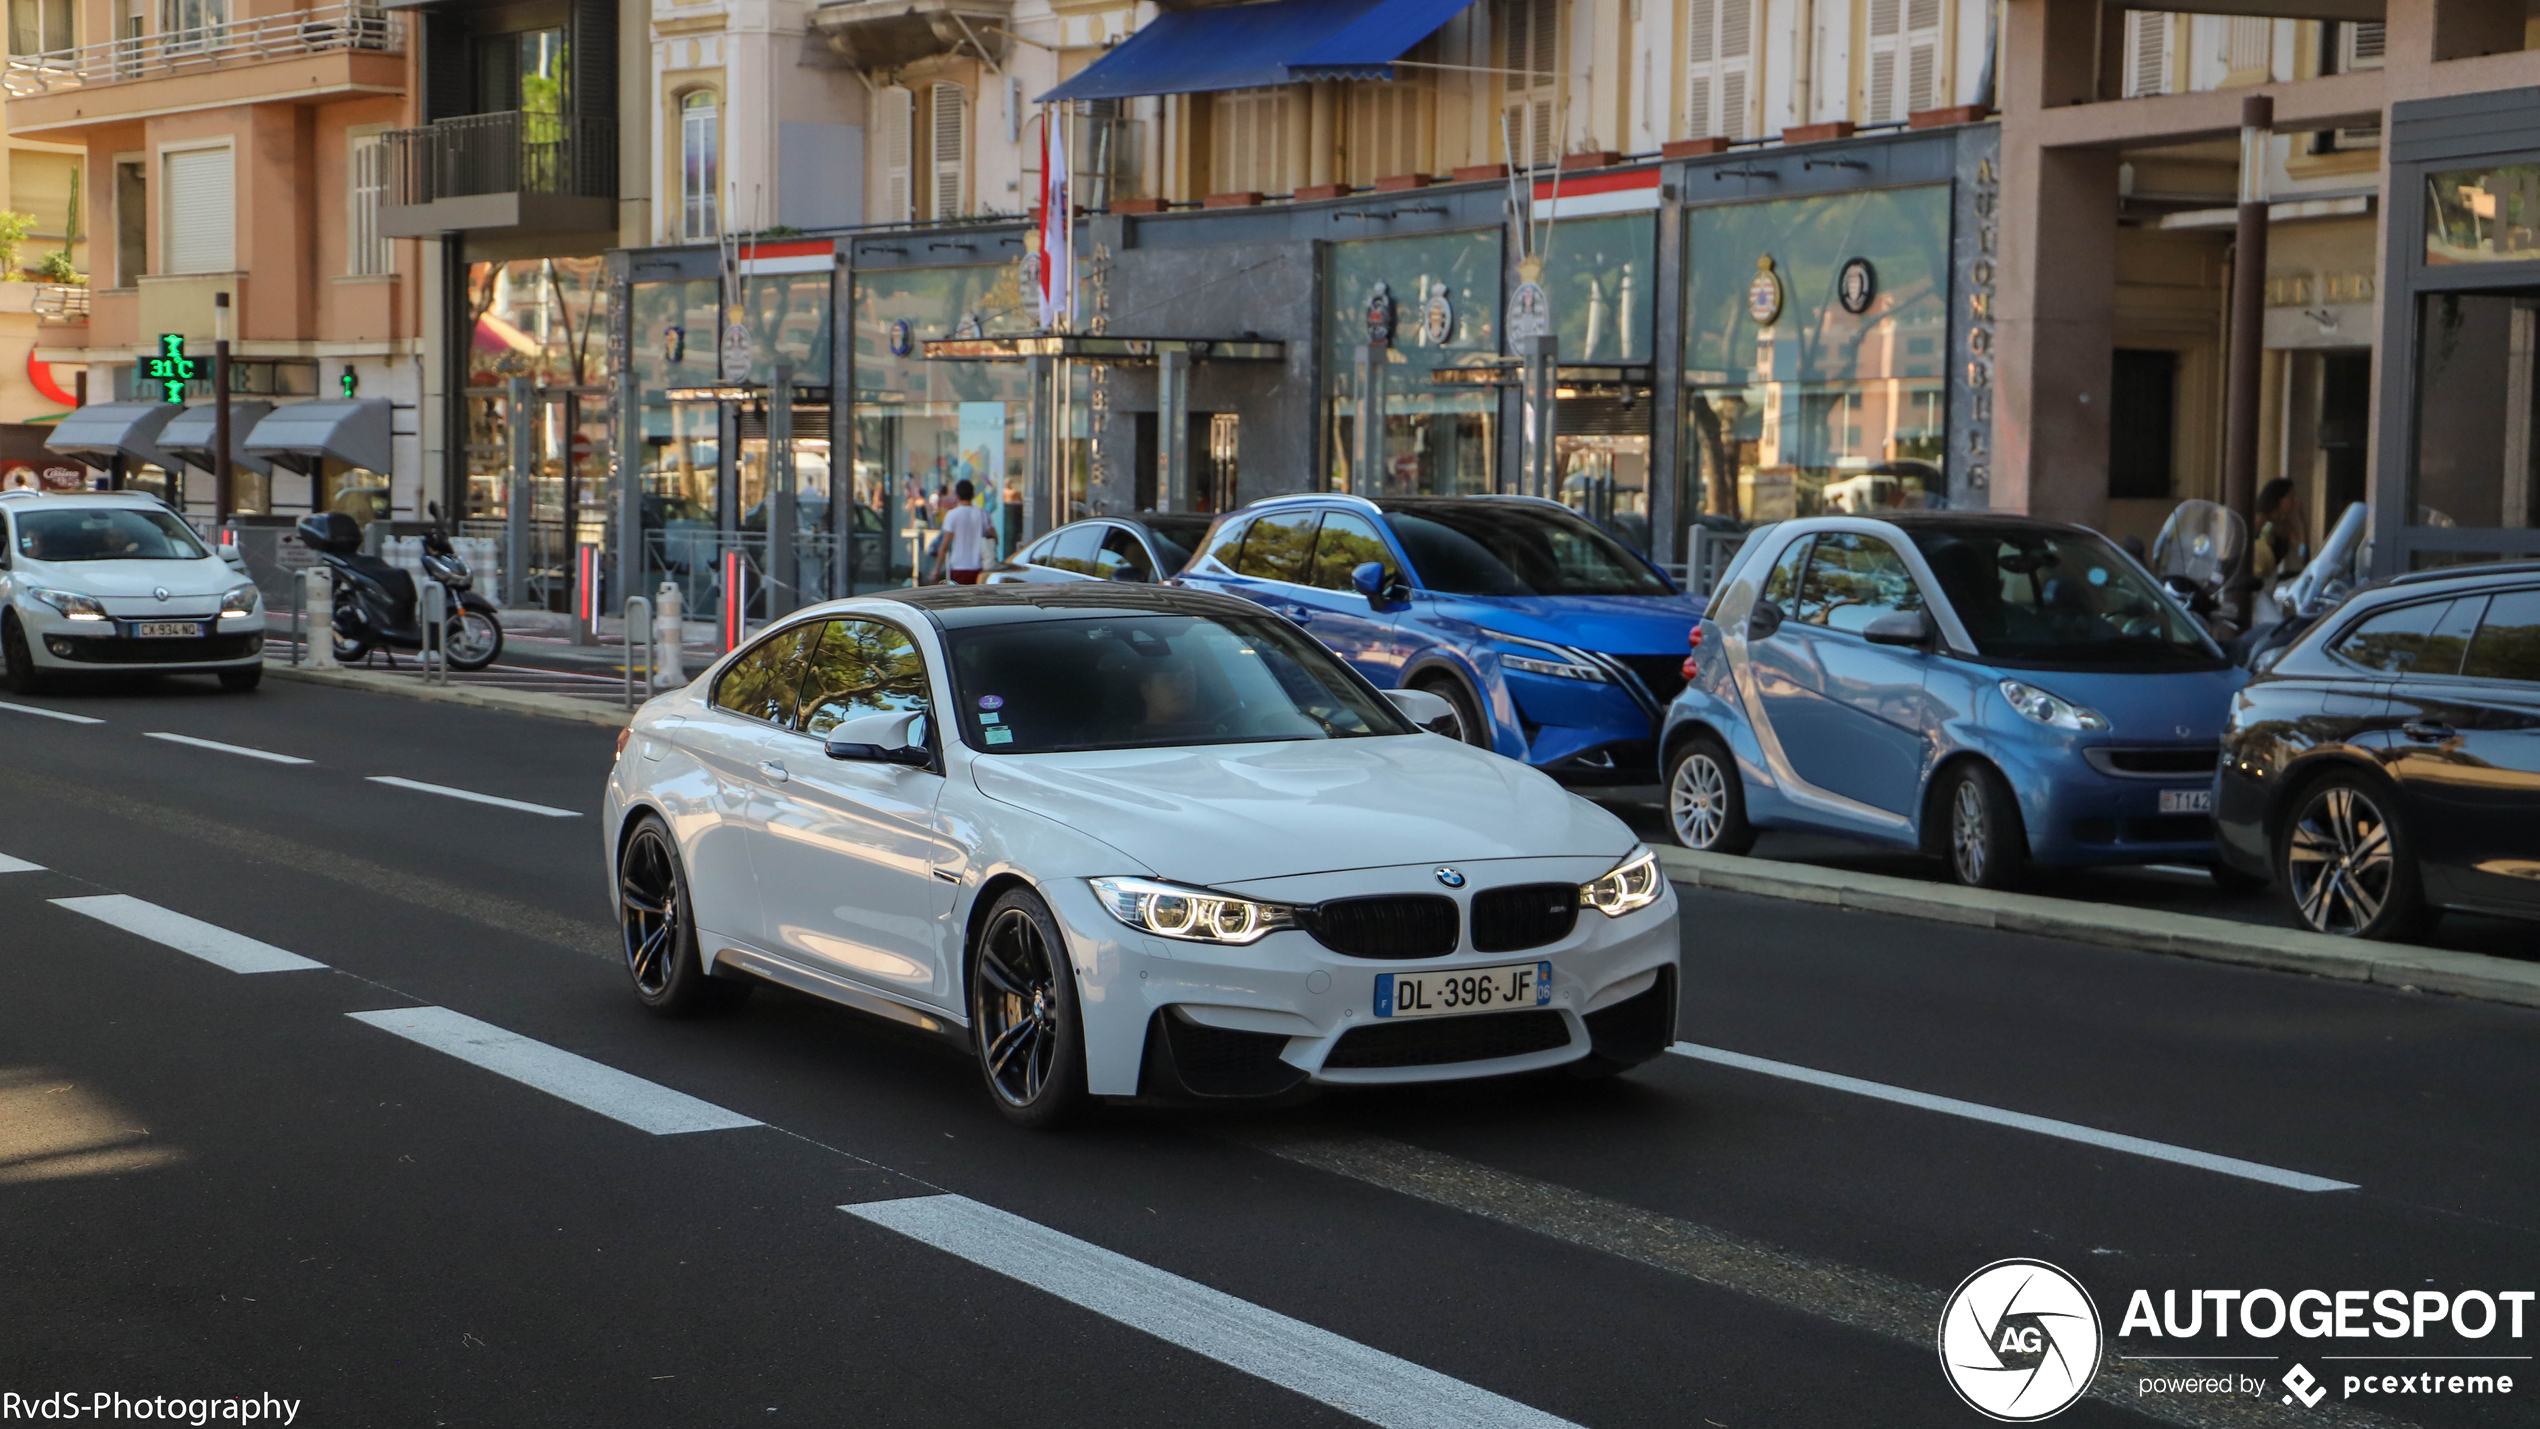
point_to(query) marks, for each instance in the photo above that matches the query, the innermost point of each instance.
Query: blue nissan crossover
(1556, 643)
(1992, 689)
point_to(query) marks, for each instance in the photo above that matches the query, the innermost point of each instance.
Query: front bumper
(1163, 1016)
(56, 641)
(2077, 816)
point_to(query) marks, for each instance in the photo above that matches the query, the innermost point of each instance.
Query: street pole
(1039, 450)
(2248, 312)
(1542, 377)
(1173, 415)
(1367, 461)
(223, 493)
(781, 565)
(523, 427)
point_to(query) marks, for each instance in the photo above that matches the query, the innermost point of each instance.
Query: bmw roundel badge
(1450, 877)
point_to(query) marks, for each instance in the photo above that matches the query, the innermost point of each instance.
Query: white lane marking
(620, 1096)
(213, 944)
(18, 865)
(65, 718)
(447, 792)
(227, 748)
(1365, 1383)
(2043, 1126)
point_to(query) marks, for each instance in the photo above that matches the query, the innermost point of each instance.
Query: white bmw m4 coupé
(1126, 841)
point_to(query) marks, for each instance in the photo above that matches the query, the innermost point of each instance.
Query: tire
(1981, 838)
(658, 930)
(23, 677)
(242, 680)
(472, 639)
(1470, 726)
(1706, 800)
(2346, 862)
(1024, 1018)
(350, 650)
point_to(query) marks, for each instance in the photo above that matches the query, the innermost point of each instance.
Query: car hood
(207, 576)
(2157, 706)
(1609, 624)
(1217, 814)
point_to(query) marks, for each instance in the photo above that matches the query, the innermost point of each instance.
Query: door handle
(2424, 732)
(773, 770)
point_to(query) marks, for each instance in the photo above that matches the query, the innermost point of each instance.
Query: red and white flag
(1058, 210)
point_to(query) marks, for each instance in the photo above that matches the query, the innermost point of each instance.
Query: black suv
(2387, 767)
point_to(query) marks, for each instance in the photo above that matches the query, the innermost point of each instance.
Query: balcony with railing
(514, 170)
(359, 47)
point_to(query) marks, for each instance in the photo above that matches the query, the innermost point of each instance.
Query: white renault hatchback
(1126, 841)
(117, 581)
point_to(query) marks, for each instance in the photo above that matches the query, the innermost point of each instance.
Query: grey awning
(99, 433)
(188, 436)
(352, 430)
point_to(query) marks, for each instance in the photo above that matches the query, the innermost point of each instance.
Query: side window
(2508, 643)
(2422, 639)
(1072, 550)
(1346, 543)
(1123, 557)
(1782, 586)
(1852, 580)
(767, 681)
(1039, 555)
(1279, 547)
(862, 667)
(1224, 548)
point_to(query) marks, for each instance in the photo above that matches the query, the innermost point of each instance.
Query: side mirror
(1899, 627)
(1763, 620)
(1433, 713)
(1368, 579)
(886, 738)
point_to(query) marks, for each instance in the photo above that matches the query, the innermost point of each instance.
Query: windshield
(1151, 681)
(1510, 548)
(2067, 598)
(1175, 537)
(106, 533)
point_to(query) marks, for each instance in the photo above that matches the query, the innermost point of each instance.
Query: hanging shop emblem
(900, 340)
(1437, 320)
(1856, 286)
(970, 326)
(674, 344)
(1764, 295)
(1380, 314)
(1529, 312)
(739, 352)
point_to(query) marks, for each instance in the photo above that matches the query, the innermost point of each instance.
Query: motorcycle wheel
(472, 640)
(350, 649)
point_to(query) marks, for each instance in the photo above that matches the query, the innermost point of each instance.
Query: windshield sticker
(992, 702)
(990, 718)
(999, 734)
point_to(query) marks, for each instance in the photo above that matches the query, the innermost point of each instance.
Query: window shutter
(1530, 50)
(202, 220)
(2359, 45)
(2147, 53)
(1885, 19)
(2248, 45)
(593, 87)
(1719, 56)
(1922, 56)
(366, 252)
(898, 162)
(948, 149)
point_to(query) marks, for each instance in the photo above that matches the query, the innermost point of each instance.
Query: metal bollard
(668, 672)
(639, 636)
(299, 615)
(436, 623)
(321, 607)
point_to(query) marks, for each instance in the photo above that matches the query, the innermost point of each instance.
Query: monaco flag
(1057, 276)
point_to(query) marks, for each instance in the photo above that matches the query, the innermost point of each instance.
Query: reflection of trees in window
(1346, 544)
(862, 667)
(1852, 580)
(1279, 548)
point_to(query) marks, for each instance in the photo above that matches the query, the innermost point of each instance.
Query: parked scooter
(376, 604)
(2197, 556)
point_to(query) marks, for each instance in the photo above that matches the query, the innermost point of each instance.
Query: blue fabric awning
(1250, 46)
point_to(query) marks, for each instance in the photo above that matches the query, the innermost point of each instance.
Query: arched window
(700, 163)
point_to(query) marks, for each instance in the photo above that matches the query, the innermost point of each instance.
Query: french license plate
(1437, 994)
(2187, 801)
(167, 629)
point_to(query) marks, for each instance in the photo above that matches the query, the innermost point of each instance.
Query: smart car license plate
(167, 630)
(1437, 994)
(2187, 801)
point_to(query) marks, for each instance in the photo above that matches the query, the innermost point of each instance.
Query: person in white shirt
(965, 545)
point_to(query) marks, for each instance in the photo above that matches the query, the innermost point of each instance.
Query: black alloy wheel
(23, 677)
(1023, 1014)
(1982, 837)
(1706, 802)
(2347, 865)
(1470, 726)
(658, 931)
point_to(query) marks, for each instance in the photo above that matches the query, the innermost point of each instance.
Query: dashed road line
(2043, 1126)
(63, 715)
(215, 945)
(18, 865)
(620, 1096)
(1356, 1379)
(472, 797)
(265, 754)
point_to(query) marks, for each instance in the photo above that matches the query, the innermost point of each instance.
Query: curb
(2475, 975)
(511, 701)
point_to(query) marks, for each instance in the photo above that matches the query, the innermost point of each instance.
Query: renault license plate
(2187, 801)
(167, 630)
(1461, 990)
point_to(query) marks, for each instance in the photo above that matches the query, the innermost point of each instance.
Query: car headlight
(70, 603)
(2051, 711)
(241, 601)
(1628, 887)
(1542, 657)
(1193, 915)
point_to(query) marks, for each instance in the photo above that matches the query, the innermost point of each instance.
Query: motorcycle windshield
(2060, 599)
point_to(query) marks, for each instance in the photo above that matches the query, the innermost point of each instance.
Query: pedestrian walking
(964, 548)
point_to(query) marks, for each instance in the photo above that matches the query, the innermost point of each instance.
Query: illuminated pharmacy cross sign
(172, 369)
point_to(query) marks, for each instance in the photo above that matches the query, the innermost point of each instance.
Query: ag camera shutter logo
(2019, 1340)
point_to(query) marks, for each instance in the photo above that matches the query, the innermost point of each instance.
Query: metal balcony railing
(511, 152)
(209, 46)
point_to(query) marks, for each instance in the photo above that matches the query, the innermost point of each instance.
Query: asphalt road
(218, 1183)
